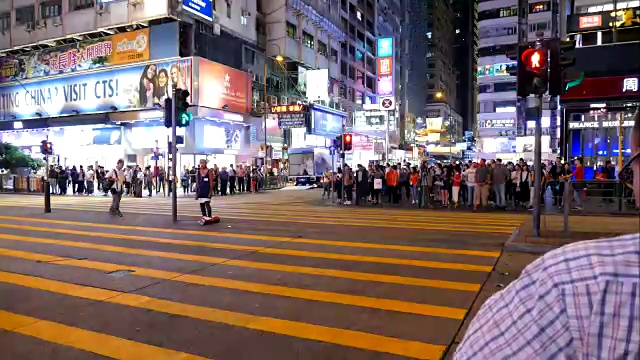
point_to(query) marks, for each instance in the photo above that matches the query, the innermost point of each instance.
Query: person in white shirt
(470, 178)
(116, 176)
(91, 175)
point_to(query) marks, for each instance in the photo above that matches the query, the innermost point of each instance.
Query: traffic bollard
(47, 197)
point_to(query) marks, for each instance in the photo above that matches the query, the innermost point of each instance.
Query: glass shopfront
(595, 136)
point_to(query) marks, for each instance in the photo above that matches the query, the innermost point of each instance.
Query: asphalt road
(278, 278)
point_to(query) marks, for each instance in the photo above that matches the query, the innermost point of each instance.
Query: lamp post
(279, 59)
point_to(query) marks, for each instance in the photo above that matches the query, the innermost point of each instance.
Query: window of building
(334, 55)
(494, 50)
(248, 56)
(228, 9)
(484, 88)
(322, 48)
(539, 7)
(504, 86)
(80, 4)
(498, 13)
(25, 14)
(244, 17)
(307, 39)
(5, 21)
(505, 104)
(540, 26)
(292, 30)
(49, 9)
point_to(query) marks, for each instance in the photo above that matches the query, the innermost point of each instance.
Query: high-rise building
(465, 22)
(497, 108)
(432, 76)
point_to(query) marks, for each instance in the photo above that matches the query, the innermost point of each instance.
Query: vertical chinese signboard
(385, 70)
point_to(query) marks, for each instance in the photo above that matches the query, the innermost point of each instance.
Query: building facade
(466, 59)
(599, 108)
(497, 100)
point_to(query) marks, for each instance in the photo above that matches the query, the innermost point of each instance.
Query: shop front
(599, 117)
(497, 139)
(310, 147)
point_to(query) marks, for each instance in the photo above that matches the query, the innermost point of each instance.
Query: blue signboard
(385, 47)
(326, 123)
(131, 88)
(202, 8)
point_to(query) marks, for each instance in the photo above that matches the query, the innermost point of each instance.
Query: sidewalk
(581, 228)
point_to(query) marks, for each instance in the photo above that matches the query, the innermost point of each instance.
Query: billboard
(119, 49)
(317, 84)
(202, 8)
(385, 47)
(220, 85)
(385, 68)
(130, 88)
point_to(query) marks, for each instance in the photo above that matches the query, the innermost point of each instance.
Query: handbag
(377, 184)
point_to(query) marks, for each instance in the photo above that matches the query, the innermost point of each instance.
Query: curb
(512, 245)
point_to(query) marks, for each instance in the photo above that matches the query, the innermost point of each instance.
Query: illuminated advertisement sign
(293, 108)
(385, 85)
(220, 85)
(137, 87)
(385, 47)
(605, 87)
(589, 21)
(119, 49)
(385, 66)
(501, 69)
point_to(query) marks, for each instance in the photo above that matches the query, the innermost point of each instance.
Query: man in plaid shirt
(581, 301)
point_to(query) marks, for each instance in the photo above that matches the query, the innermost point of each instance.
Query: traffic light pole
(523, 38)
(537, 167)
(174, 153)
(47, 188)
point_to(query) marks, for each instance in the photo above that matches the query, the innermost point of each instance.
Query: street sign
(332, 151)
(387, 103)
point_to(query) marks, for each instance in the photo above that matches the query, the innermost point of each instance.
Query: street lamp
(439, 96)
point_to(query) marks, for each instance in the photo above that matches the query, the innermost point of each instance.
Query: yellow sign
(277, 109)
(130, 47)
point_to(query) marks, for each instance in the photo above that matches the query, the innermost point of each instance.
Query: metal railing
(21, 184)
(600, 196)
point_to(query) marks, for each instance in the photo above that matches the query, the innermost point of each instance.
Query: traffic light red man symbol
(535, 59)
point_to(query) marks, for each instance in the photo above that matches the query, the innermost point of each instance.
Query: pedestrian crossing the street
(92, 285)
(294, 211)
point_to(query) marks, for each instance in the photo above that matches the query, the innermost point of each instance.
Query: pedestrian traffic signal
(183, 116)
(347, 142)
(168, 112)
(46, 147)
(560, 61)
(337, 143)
(537, 67)
(523, 88)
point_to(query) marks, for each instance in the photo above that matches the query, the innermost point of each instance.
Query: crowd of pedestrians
(477, 185)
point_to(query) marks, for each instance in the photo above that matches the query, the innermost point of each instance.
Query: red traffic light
(535, 59)
(347, 138)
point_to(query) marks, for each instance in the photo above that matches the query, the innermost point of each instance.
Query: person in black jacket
(556, 171)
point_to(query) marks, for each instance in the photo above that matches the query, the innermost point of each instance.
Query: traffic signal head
(183, 116)
(348, 144)
(168, 112)
(534, 72)
(337, 142)
(560, 61)
(46, 147)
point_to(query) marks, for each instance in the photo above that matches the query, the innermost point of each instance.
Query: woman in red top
(414, 185)
(457, 179)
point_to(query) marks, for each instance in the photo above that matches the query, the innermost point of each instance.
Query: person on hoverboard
(204, 188)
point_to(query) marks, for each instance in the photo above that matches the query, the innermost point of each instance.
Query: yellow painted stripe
(296, 329)
(102, 344)
(323, 215)
(258, 265)
(275, 251)
(315, 295)
(494, 254)
(499, 229)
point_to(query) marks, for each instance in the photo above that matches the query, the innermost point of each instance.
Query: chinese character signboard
(385, 67)
(590, 21)
(605, 87)
(291, 116)
(119, 49)
(497, 123)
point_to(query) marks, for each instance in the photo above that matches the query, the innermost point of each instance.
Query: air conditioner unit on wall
(29, 27)
(41, 23)
(56, 21)
(284, 100)
(272, 100)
